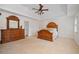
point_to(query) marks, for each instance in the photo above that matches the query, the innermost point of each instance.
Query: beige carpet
(32, 45)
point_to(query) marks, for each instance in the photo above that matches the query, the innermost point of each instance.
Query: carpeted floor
(32, 45)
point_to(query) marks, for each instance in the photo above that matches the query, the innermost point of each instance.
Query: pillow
(52, 30)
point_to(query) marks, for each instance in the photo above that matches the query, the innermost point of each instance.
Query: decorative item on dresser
(13, 32)
(45, 34)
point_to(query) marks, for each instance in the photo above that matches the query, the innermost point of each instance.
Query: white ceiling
(55, 10)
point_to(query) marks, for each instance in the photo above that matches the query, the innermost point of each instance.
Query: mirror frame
(13, 18)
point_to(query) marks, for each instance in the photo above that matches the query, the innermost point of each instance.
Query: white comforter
(55, 33)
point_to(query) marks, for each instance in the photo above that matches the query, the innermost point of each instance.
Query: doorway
(26, 26)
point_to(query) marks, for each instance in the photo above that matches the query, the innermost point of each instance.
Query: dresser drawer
(11, 35)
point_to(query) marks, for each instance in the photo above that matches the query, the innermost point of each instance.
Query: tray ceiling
(55, 10)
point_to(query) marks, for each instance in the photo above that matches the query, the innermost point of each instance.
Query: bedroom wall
(76, 34)
(33, 23)
(6, 14)
(78, 31)
(33, 27)
(3, 19)
(65, 26)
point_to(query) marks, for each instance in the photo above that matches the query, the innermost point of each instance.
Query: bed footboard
(45, 34)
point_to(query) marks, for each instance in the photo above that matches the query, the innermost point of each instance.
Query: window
(75, 27)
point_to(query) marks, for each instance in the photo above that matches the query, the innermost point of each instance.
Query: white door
(26, 26)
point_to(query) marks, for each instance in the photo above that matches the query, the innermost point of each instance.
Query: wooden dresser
(13, 31)
(11, 35)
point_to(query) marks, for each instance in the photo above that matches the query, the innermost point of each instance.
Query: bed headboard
(52, 25)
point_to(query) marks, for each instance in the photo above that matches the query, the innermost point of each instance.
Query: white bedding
(54, 31)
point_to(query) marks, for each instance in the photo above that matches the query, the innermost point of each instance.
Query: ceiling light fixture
(40, 11)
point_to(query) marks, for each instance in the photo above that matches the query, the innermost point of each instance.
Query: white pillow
(52, 30)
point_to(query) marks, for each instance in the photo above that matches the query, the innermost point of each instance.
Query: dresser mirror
(12, 22)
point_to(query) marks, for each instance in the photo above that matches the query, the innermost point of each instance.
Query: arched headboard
(52, 25)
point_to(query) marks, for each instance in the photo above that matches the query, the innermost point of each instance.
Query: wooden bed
(45, 34)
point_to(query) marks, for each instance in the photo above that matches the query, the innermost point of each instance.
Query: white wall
(20, 9)
(6, 14)
(76, 34)
(72, 9)
(33, 27)
(65, 26)
(33, 24)
(3, 24)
